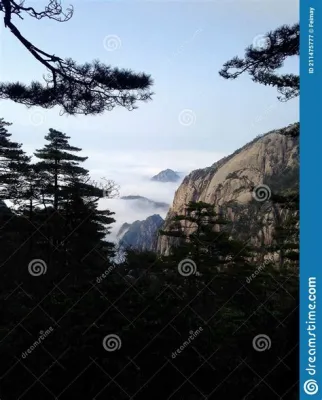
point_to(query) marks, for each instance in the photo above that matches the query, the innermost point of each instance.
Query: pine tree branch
(91, 88)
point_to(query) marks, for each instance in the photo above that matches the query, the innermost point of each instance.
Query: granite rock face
(271, 159)
(122, 231)
(141, 235)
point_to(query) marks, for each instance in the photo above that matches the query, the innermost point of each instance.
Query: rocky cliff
(141, 235)
(270, 159)
(122, 231)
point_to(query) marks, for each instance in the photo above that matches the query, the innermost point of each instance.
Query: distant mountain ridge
(145, 201)
(168, 175)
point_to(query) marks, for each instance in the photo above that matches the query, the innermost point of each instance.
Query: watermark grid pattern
(113, 342)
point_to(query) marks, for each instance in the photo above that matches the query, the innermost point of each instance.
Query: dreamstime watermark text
(105, 273)
(310, 386)
(42, 337)
(257, 272)
(193, 335)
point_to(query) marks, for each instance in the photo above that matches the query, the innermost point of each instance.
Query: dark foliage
(13, 163)
(91, 88)
(262, 60)
(180, 331)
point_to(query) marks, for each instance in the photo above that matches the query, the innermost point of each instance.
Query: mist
(132, 173)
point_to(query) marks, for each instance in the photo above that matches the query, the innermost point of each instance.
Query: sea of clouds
(132, 173)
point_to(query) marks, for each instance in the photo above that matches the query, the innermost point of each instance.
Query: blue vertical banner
(310, 199)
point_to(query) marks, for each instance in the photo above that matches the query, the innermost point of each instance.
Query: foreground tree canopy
(265, 56)
(91, 88)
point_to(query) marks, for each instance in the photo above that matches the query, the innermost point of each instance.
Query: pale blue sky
(183, 45)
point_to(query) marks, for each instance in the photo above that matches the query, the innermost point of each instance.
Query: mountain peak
(167, 175)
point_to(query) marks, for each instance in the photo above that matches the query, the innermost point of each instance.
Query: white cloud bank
(132, 172)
